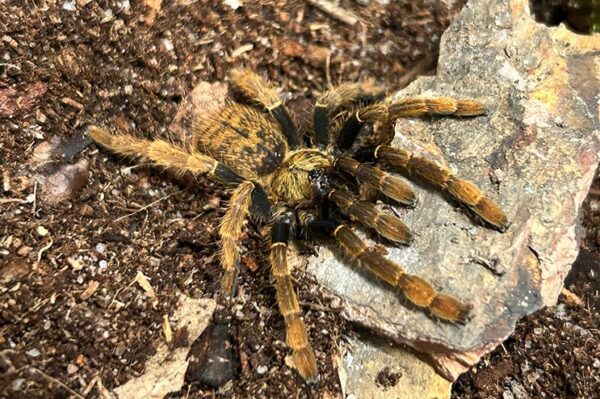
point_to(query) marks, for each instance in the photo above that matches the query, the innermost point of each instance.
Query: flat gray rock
(535, 153)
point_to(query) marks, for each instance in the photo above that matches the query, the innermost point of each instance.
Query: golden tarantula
(289, 182)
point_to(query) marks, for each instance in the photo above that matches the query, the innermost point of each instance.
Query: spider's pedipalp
(440, 176)
(391, 186)
(164, 154)
(418, 106)
(230, 230)
(389, 226)
(296, 336)
(259, 90)
(417, 291)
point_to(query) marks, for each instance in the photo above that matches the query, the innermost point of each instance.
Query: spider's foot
(451, 309)
(305, 362)
(491, 212)
(423, 295)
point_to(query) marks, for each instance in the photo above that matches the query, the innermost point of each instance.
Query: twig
(34, 198)
(54, 380)
(10, 200)
(328, 69)
(336, 12)
(149, 205)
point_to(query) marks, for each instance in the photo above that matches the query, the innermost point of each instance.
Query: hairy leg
(296, 335)
(417, 290)
(165, 154)
(441, 177)
(388, 112)
(389, 226)
(259, 90)
(338, 97)
(230, 230)
(389, 185)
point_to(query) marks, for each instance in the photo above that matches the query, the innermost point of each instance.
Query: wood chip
(167, 329)
(5, 181)
(70, 102)
(145, 284)
(154, 8)
(241, 50)
(75, 263)
(342, 15)
(89, 291)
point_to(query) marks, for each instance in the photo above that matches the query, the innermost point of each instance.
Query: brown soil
(72, 320)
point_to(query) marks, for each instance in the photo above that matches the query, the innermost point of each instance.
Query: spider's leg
(246, 198)
(296, 335)
(418, 106)
(165, 154)
(338, 97)
(389, 111)
(441, 177)
(417, 290)
(390, 185)
(389, 226)
(259, 90)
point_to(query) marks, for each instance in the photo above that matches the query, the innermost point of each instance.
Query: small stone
(72, 368)
(69, 5)
(234, 4)
(86, 210)
(33, 353)
(168, 44)
(42, 231)
(102, 265)
(100, 248)
(262, 369)
(17, 384)
(24, 250)
(507, 395)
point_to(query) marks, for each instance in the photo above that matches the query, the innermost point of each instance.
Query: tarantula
(289, 183)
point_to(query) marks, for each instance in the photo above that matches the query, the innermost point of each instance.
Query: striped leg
(441, 177)
(336, 98)
(230, 231)
(369, 215)
(416, 290)
(296, 335)
(418, 106)
(165, 154)
(255, 88)
(406, 107)
(387, 184)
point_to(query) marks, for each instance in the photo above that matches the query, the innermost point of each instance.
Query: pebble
(17, 384)
(33, 352)
(69, 6)
(262, 369)
(102, 265)
(42, 231)
(72, 368)
(100, 248)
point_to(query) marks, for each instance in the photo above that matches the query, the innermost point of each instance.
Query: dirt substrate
(72, 319)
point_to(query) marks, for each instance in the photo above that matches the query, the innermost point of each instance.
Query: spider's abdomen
(244, 139)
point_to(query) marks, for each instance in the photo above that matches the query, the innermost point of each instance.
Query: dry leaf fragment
(89, 291)
(145, 284)
(167, 329)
